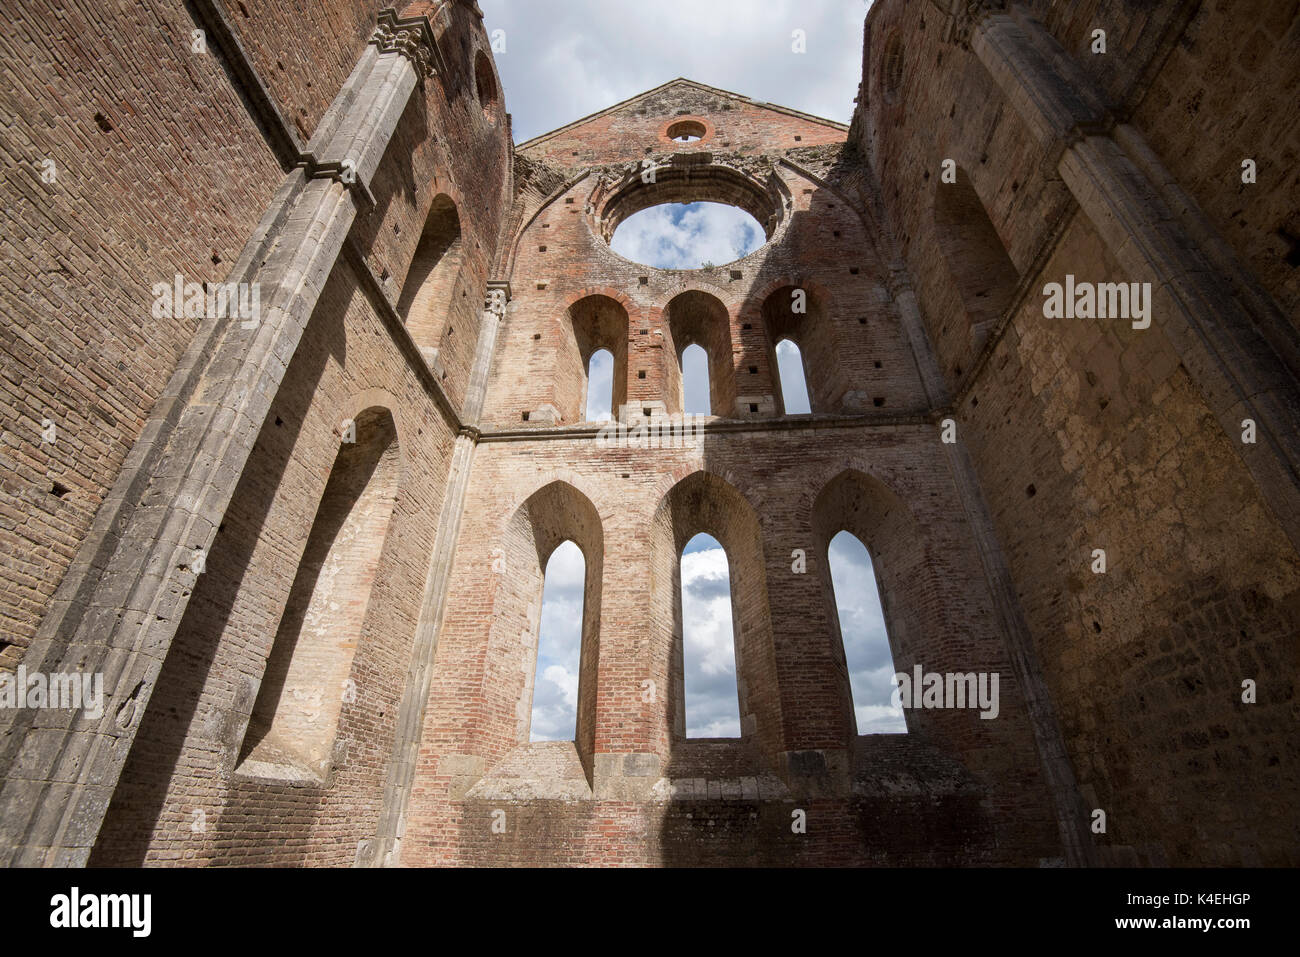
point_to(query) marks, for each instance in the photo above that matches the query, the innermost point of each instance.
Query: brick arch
(609, 292)
(753, 303)
(703, 501)
(697, 317)
(429, 300)
(812, 331)
(590, 323)
(674, 182)
(911, 597)
(377, 398)
(705, 130)
(743, 482)
(697, 281)
(294, 720)
(588, 486)
(555, 512)
(818, 476)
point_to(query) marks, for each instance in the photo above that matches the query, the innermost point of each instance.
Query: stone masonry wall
(1088, 433)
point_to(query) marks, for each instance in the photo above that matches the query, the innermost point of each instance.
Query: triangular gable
(667, 88)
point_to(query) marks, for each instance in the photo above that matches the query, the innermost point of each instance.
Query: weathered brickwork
(135, 155)
(1087, 434)
(309, 559)
(793, 672)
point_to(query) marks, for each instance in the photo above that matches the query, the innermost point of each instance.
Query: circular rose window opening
(686, 131)
(687, 235)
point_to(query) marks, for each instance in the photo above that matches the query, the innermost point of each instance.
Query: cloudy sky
(555, 691)
(565, 59)
(712, 708)
(687, 235)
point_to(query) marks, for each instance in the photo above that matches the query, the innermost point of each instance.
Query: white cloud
(866, 643)
(555, 691)
(687, 235)
(880, 719)
(566, 681)
(565, 59)
(712, 708)
(555, 704)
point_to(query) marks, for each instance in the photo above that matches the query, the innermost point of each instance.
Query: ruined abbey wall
(307, 556)
(1088, 433)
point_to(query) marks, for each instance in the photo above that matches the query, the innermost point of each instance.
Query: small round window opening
(686, 131)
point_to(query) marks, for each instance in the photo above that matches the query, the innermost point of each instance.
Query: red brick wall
(473, 764)
(1084, 434)
(158, 171)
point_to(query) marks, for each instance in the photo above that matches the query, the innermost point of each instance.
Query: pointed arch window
(794, 384)
(708, 641)
(861, 620)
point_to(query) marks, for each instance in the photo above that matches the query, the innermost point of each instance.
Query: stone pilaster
(1232, 347)
(118, 608)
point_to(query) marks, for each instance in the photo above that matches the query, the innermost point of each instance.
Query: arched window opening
(545, 619)
(711, 639)
(428, 294)
(916, 607)
(708, 637)
(686, 131)
(801, 315)
(559, 647)
(305, 686)
(794, 387)
(595, 324)
(866, 643)
(703, 380)
(983, 273)
(695, 380)
(600, 387)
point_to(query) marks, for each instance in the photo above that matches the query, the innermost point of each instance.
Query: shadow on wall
(977, 260)
(432, 279)
(551, 516)
(134, 820)
(292, 728)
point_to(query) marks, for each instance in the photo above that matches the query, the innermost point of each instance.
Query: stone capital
(411, 37)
